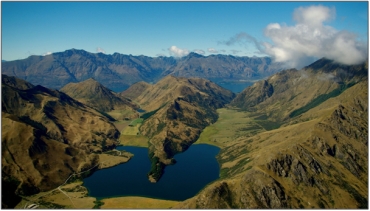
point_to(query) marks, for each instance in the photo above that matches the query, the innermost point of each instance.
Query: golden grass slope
(137, 203)
(94, 94)
(46, 136)
(320, 161)
(179, 109)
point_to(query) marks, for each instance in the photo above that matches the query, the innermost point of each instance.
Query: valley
(278, 144)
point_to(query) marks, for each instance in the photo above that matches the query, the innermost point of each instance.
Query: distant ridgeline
(117, 71)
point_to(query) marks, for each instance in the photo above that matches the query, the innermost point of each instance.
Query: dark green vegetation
(156, 167)
(98, 204)
(147, 115)
(320, 99)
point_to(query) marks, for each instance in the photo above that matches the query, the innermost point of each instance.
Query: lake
(234, 86)
(195, 168)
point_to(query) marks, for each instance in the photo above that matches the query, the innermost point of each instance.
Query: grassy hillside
(319, 160)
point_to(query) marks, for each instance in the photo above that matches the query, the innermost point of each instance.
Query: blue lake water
(195, 168)
(235, 86)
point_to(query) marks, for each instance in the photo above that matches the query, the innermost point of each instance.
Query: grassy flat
(134, 140)
(230, 125)
(136, 203)
(121, 114)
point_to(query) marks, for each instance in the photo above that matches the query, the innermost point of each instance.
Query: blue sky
(152, 28)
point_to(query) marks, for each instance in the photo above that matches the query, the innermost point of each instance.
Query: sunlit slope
(94, 94)
(177, 111)
(317, 159)
(290, 93)
(46, 136)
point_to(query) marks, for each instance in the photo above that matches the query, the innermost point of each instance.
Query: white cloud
(310, 39)
(178, 52)
(212, 50)
(47, 53)
(199, 51)
(100, 50)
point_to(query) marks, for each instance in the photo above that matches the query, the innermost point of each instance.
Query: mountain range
(117, 71)
(303, 142)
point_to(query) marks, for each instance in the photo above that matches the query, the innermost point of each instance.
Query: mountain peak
(94, 94)
(193, 54)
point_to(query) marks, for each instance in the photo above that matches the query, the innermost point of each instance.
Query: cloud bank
(199, 51)
(100, 50)
(212, 50)
(178, 52)
(310, 39)
(47, 53)
(306, 41)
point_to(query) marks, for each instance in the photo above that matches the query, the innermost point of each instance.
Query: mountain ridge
(118, 71)
(94, 94)
(178, 110)
(47, 136)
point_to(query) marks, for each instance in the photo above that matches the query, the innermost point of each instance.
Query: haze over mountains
(117, 71)
(303, 142)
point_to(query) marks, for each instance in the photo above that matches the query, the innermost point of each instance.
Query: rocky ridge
(117, 71)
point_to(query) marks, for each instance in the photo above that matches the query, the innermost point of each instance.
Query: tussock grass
(231, 125)
(134, 140)
(136, 203)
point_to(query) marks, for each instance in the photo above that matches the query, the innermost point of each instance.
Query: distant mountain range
(117, 71)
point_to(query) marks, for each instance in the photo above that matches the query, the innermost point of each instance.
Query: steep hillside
(15, 82)
(298, 90)
(47, 136)
(316, 163)
(135, 90)
(117, 71)
(94, 94)
(308, 145)
(178, 110)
